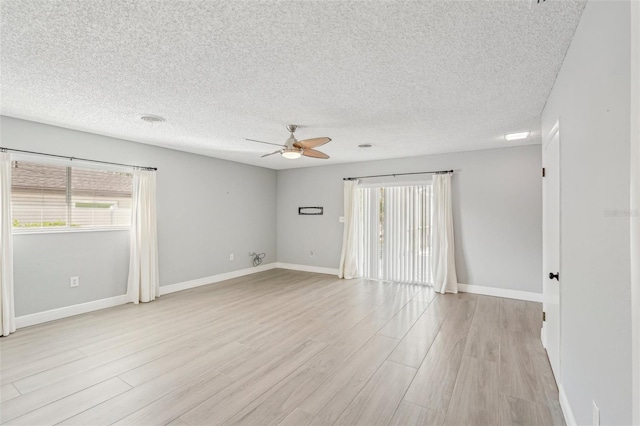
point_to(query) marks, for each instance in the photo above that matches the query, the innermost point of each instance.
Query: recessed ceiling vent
(153, 119)
(365, 145)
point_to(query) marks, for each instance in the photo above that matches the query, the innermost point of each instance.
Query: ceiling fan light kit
(291, 154)
(293, 148)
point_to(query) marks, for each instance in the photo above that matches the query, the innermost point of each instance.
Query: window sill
(40, 231)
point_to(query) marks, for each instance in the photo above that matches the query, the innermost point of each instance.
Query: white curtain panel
(443, 265)
(7, 311)
(349, 257)
(144, 281)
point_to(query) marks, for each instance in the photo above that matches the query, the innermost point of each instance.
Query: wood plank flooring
(285, 348)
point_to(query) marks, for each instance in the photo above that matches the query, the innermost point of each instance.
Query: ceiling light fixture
(149, 118)
(291, 153)
(517, 136)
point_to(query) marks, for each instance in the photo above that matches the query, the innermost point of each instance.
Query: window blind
(395, 229)
(100, 198)
(50, 197)
(370, 232)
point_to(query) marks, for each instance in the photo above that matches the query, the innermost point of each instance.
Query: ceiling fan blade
(268, 143)
(308, 152)
(274, 152)
(311, 143)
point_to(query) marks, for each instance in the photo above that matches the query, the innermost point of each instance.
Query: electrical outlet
(231, 256)
(74, 282)
(596, 415)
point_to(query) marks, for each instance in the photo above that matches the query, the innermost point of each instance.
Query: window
(46, 197)
(395, 230)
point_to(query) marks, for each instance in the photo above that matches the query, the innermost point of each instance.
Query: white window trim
(54, 230)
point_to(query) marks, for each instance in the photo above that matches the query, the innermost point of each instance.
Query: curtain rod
(76, 158)
(438, 172)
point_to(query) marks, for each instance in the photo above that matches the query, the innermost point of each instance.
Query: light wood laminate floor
(288, 348)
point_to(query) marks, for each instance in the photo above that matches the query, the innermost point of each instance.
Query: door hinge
(544, 172)
(544, 316)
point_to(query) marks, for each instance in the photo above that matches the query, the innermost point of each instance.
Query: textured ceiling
(409, 77)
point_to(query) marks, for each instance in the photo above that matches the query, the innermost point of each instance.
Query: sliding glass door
(395, 233)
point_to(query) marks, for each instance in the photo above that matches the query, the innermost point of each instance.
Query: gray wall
(207, 209)
(43, 264)
(591, 98)
(497, 196)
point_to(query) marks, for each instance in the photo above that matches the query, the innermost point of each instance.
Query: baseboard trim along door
(501, 292)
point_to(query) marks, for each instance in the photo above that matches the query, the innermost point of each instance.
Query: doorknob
(556, 276)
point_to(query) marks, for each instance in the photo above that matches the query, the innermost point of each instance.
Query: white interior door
(551, 248)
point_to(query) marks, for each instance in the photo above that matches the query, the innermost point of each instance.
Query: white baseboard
(172, 288)
(69, 311)
(566, 407)
(82, 308)
(501, 292)
(307, 268)
(465, 288)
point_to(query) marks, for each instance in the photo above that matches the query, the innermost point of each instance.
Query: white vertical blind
(369, 231)
(395, 225)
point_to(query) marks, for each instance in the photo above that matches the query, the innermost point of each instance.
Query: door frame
(635, 208)
(555, 130)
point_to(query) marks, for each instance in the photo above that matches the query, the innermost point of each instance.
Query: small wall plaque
(310, 211)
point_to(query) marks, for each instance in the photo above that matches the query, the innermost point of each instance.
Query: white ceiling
(409, 77)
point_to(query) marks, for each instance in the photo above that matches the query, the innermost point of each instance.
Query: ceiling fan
(293, 148)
